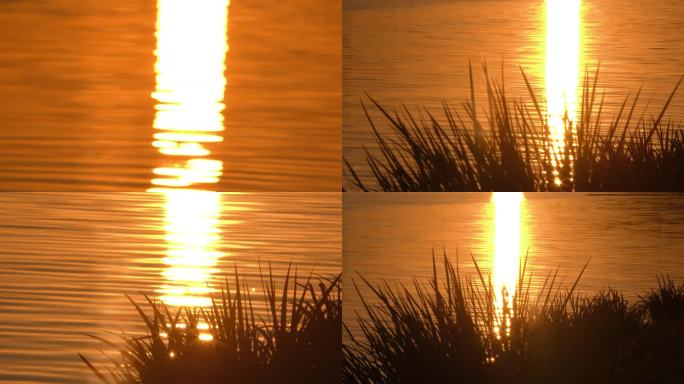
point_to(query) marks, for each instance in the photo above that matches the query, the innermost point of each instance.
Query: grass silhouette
(448, 330)
(298, 341)
(511, 149)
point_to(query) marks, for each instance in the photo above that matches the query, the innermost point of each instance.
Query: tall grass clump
(297, 341)
(508, 147)
(448, 330)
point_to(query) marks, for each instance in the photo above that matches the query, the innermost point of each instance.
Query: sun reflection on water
(563, 49)
(190, 86)
(507, 245)
(192, 238)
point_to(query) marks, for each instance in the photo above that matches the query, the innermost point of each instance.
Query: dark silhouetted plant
(297, 341)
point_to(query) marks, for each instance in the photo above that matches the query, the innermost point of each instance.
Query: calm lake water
(67, 259)
(417, 53)
(630, 238)
(115, 95)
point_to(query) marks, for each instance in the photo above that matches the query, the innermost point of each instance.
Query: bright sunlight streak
(190, 86)
(562, 67)
(507, 244)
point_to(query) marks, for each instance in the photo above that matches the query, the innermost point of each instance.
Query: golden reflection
(192, 238)
(562, 68)
(190, 86)
(507, 244)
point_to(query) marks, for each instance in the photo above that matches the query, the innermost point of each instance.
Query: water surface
(113, 95)
(67, 259)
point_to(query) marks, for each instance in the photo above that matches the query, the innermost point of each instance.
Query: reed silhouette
(511, 148)
(297, 341)
(448, 329)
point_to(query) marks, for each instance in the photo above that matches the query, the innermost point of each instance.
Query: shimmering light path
(190, 86)
(563, 47)
(192, 255)
(507, 244)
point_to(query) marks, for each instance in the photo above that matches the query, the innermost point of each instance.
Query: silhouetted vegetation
(511, 149)
(298, 341)
(448, 330)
